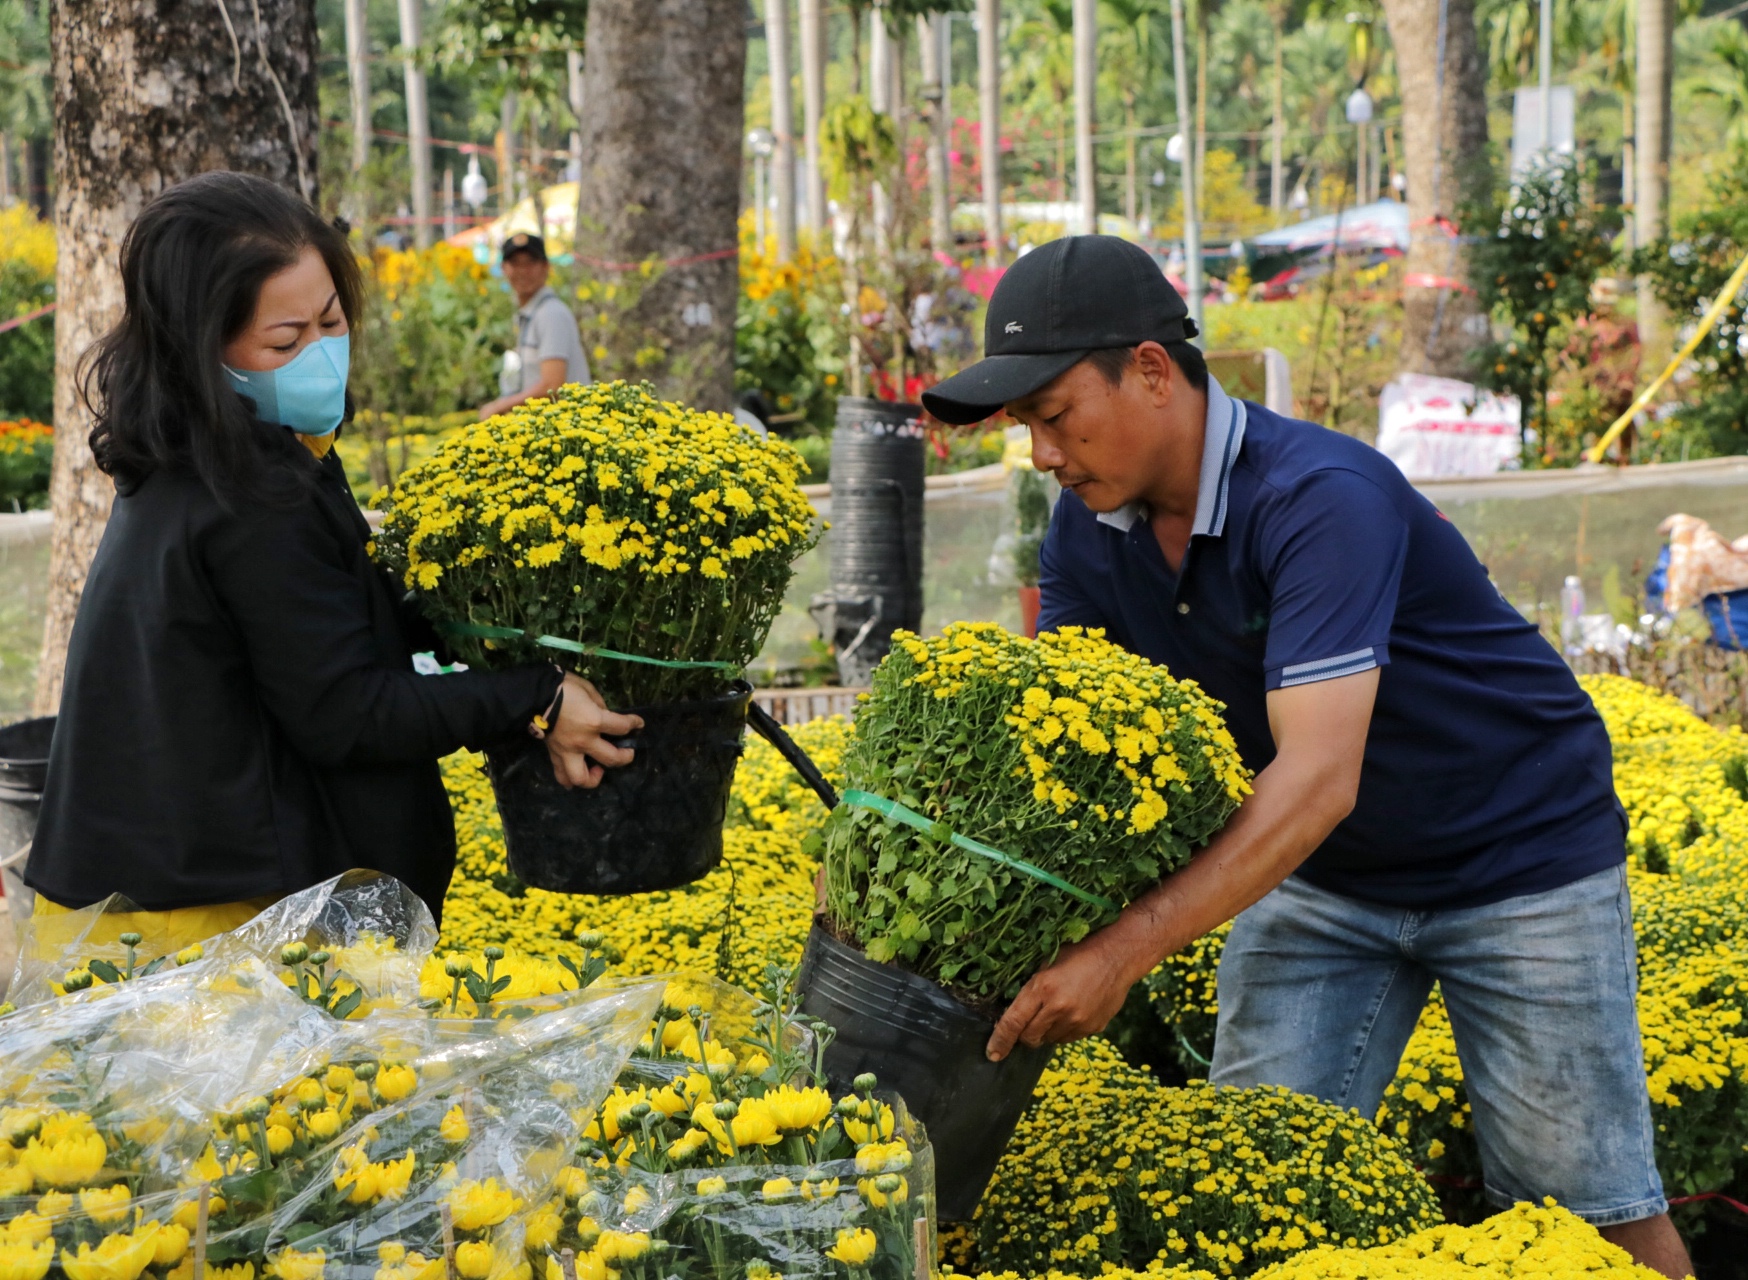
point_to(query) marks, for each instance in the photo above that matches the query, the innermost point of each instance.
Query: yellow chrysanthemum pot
(644, 545)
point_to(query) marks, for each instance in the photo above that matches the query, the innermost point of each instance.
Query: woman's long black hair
(192, 268)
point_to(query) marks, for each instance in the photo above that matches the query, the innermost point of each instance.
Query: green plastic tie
(911, 818)
(1191, 1049)
(484, 632)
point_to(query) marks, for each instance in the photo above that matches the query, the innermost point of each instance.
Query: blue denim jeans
(1319, 992)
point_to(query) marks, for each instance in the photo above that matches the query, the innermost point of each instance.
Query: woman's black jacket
(240, 716)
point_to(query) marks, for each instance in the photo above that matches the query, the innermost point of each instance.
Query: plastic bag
(378, 930)
(717, 1155)
(492, 1111)
(872, 1212)
(221, 1079)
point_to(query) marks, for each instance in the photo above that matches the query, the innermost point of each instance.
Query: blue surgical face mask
(308, 393)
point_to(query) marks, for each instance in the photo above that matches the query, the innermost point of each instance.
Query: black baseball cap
(1053, 306)
(524, 242)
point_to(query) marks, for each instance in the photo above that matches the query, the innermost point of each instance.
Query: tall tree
(931, 39)
(1444, 134)
(418, 116)
(147, 93)
(989, 116)
(1086, 79)
(1653, 134)
(782, 124)
(813, 110)
(665, 85)
(1277, 116)
(358, 86)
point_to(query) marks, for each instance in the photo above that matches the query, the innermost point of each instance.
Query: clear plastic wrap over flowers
(377, 928)
(870, 1215)
(263, 1112)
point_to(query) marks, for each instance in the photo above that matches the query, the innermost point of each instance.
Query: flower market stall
(645, 1045)
(1187, 1175)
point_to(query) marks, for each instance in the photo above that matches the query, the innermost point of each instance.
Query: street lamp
(1174, 152)
(761, 142)
(473, 185)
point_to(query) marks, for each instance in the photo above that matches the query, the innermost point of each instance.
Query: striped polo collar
(1222, 438)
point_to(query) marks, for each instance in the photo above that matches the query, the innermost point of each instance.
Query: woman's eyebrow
(299, 324)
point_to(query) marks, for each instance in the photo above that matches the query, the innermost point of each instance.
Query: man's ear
(1157, 372)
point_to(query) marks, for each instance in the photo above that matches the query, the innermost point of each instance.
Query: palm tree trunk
(989, 91)
(1129, 156)
(813, 108)
(1201, 113)
(664, 81)
(931, 36)
(117, 147)
(1444, 140)
(879, 99)
(1278, 125)
(1086, 71)
(1653, 134)
(358, 82)
(418, 119)
(782, 124)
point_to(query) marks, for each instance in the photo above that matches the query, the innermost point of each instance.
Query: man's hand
(1320, 738)
(1074, 997)
(578, 744)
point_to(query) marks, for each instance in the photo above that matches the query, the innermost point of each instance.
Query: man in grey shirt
(549, 350)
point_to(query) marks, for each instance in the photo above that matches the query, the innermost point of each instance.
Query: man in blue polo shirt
(1434, 798)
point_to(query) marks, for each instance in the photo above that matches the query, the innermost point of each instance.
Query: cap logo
(1013, 326)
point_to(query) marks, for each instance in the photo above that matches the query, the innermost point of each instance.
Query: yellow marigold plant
(1086, 761)
(1217, 1179)
(606, 517)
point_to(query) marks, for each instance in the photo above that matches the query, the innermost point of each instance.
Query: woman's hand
(578, 743)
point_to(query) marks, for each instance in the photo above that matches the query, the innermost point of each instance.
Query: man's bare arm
(1320, 741)
(552, 373)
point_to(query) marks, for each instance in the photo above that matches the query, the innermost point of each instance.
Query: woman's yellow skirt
(54, 929)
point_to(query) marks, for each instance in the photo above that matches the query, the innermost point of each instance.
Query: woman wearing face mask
(240, 717)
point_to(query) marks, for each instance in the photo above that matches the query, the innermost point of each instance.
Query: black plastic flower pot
(655, 823)
(927, 1047)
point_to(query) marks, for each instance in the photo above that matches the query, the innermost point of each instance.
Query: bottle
(1571, 609)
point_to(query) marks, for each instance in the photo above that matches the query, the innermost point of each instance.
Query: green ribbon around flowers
(911, 818)
(483, 632)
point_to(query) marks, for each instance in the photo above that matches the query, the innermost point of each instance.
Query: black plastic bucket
(927, 1047)
(24, 768)
(876, 549)
(24, 757)
(655, 823)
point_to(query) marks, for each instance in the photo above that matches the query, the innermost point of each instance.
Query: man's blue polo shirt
(1487, 771)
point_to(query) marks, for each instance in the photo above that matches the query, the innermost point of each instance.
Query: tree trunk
(358, 81)
(989, 92)
(147, 93)
(418, 119)
(1278, 125)
(663, 138)
(1444, 140)
(1652, 138)
(880, 100)
(1086, 72)
(813, 109)
(1129, 156)
(931, 37)
(782, 124)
